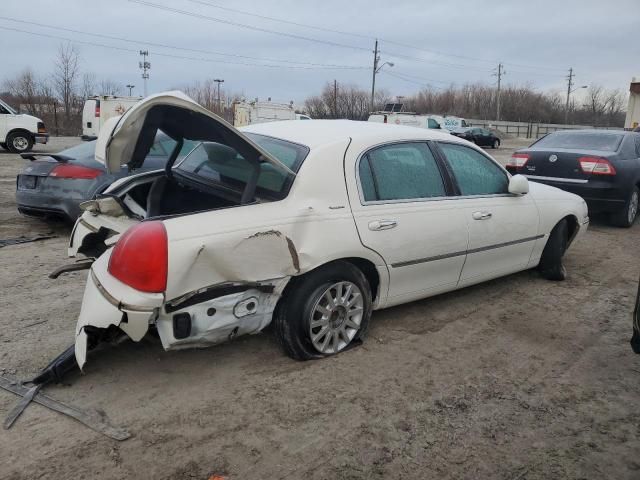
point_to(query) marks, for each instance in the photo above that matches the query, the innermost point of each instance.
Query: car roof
(317, 133)
(591, 130)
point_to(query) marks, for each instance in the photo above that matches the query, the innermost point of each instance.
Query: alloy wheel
(632, 211)
(336, 317)
(20, 143)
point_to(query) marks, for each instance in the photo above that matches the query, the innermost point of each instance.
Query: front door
(404, 211)
(502, 227)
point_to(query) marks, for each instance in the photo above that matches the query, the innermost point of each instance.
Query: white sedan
(309, 225)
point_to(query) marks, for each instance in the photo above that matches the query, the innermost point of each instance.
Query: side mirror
(518, 185)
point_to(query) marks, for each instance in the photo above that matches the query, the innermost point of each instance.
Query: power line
(402, 77)
(246, 26)
(162, 45)
(357, 35)
(168, 55)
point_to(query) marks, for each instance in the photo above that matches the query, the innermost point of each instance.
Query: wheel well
(15, 130)
(572, 225)
(365, 266)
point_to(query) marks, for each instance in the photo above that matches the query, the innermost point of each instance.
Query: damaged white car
(309, 225)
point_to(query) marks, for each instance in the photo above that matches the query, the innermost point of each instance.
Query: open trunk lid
(126, 140)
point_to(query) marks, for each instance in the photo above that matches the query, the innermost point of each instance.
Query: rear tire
(496, 144)
(19, 142)
(550, 265)
(627, 216)
(308, 325)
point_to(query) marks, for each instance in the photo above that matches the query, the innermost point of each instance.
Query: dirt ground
(518, 378)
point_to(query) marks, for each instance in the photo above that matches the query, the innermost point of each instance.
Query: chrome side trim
(465, 252)
(557, 179)
(113, 300)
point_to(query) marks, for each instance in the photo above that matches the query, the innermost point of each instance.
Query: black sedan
(54, 185)
(602, 166)
(480, 136)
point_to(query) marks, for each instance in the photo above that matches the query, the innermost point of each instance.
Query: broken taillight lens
(518, 160)
(596, 166)
(140, 258)
(65, 170)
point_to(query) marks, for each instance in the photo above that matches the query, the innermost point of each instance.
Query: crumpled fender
(107, 301)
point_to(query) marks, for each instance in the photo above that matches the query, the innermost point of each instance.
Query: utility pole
(376, 58)
(218, 81)
(569, 85)
(335, 98)
(499, 74)
(569, 92)
(130, 87)
(145, 67)
(376, 69)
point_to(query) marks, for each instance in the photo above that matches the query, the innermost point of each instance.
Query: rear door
(90, 120)
(502, 227)
(405, 213)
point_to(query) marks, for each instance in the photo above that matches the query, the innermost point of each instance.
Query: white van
(99, 109)
(18, 131)
(408, 119)
(451, 123)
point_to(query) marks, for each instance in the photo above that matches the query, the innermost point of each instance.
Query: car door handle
(481, 215)
(382, 225)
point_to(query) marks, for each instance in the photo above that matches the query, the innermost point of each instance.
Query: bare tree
(65, 77)
(25, 88)
(109, 87)
(89, 87)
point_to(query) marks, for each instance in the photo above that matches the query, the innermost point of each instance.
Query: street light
(566, 109)
(376, 69)
(130, 87)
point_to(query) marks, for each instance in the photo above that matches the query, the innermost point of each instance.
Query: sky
(302, 45)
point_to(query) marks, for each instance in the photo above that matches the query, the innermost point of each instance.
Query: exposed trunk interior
(165, 196)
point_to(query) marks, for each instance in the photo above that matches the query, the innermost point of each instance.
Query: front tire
(496, 144)
(19, 142)
(323, 312)
(550, 265)
(625, 217)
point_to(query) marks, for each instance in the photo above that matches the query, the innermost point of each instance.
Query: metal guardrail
(529, 129)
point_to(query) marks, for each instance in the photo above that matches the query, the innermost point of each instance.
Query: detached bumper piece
(58, 368)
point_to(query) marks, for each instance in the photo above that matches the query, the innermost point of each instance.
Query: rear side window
(604, 142)
(474, 173)
(431, 123)
(400, 172)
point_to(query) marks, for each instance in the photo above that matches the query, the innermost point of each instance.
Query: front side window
(400, 172)
(474, 173)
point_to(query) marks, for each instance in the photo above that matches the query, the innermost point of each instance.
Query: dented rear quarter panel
(271, 240)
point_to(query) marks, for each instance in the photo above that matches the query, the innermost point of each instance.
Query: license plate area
(27, 182)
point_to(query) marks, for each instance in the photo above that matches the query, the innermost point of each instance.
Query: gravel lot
(518, 378)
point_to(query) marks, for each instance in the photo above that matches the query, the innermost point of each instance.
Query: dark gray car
(54, 185)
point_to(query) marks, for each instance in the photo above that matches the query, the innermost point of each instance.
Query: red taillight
(97, 109)
(140, 257)
(64, 170)
(518, 160)
(596, 166)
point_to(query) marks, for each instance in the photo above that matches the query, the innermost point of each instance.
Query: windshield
(220, 165)
(7, 107)
(605, 142)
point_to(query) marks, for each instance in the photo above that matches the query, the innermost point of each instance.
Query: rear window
(218, 164)
(605, 142)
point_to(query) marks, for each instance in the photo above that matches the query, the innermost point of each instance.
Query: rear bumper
(600, 196)
(33, 202)
(41, 138)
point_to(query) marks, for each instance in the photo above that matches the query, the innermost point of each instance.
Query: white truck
(411, 119)
(100, 108)
(18, 131)
(247, 113)
(632, 119)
